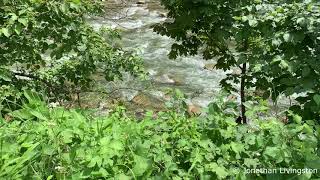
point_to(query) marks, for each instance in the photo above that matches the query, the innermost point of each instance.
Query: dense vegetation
(275, 44)
(48, 48)
(46, 143)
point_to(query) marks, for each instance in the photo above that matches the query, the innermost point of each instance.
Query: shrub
(55, 143)
(49, 45)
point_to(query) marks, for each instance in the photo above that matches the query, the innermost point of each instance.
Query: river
(194, 76)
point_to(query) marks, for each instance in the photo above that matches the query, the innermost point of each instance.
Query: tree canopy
(49, 45)
(274, 43)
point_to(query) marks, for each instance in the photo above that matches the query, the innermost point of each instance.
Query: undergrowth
(41, 142)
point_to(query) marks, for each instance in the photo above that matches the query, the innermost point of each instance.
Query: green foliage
(49, 45)
(55, 143)
(279, 41)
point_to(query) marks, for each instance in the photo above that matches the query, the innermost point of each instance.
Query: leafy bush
(275, 44)
(49, 45)
(55, 143)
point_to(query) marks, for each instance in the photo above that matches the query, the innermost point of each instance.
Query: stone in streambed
(168, 79)
(194, 110)
(141, 2)
(236, 71)
(148, 101)
(209, 66)
(163, 15)
(165, 79)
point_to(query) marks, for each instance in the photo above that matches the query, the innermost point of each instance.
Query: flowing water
(188, 74)
(185, 73)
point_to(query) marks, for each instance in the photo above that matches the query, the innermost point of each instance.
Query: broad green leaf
(32, 96)
(250, 139)
(5, 75)
(116, 145)
(315, 164)
(237, 147)
(76, 1)
(82, 48)
(48, 150)
(219, 170)
(13, 18)
(22, 114)
(287, 37)
(316, 98)
(251, 162)
(141, 165)
(273, 152)
(39, 115)
(18, 29)
(301, 21)
(6, 32)
(305, 71)
(297, 119)
(23, 21)
(66, 136)
(253, 22)
(122, 177)
(95, 161)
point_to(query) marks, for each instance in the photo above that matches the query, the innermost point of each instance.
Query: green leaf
(6, 32)
(95, 161)
(13, 18)
(237, 147)
(253, 22)
(297, 119)
(250, 139)
(82, 48)
(316, 98)
(284, 64)
(76, 1)
(18, 29)
(22, 114)
(301, 21)
(5, 75)
(122, 177)
(273, 152)
(305, 71)
(287, 37)
(219, 170)
(141, 165)
(23, 21)
(39, 115)
(315, 164)
(67, 136)
(251, 162)
(48, 150)
(116, 145)
(32, 96)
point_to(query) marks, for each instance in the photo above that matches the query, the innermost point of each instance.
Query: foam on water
(187, 73)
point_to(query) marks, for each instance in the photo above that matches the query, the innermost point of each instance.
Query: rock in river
(168, 79)
(209, 66)
(148, 101)
(194, 110)
(141, 2)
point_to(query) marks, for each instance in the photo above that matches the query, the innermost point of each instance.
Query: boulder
(163, 15)
(141, 2)
(194, 110)
(164, 79)
(210, 66)
(236, 71)
(169, 79)
(147, 101)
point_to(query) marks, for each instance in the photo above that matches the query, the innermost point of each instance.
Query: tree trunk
(242, 93)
